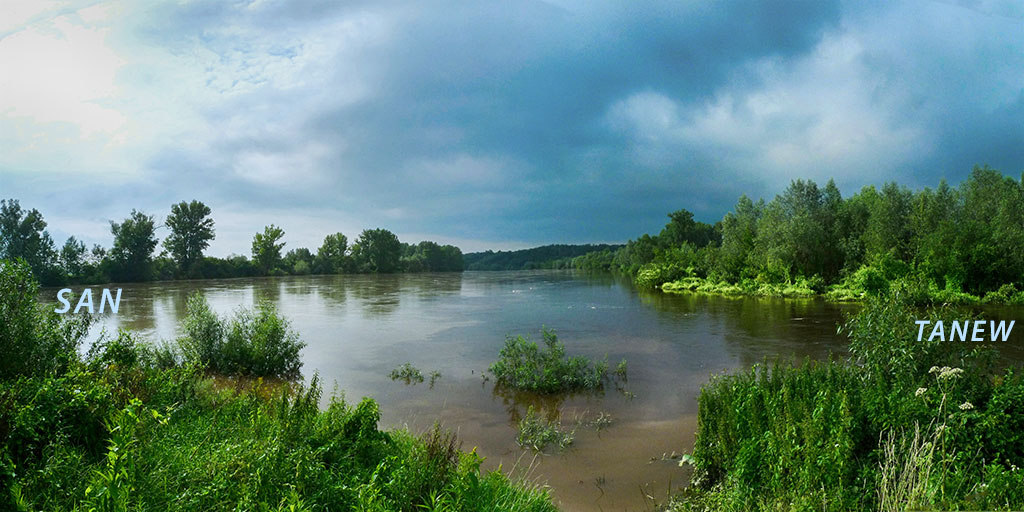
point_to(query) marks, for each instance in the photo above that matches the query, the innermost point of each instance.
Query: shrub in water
(522, 364)
(255, 342)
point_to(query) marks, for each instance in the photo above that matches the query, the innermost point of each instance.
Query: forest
(954, 244)
(134, 257)
(555, 256)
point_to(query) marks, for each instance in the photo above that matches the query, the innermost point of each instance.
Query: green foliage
(266, 251)
(958, 244)
(23, 235)
(902, 424)
(118, 432)
(377, 250)
(546, 256)
(134, 242)
(191, 231)
(537, 433)
(408, 373)
(255, 342)
(523, 365)
(33, 340)
(332, 257)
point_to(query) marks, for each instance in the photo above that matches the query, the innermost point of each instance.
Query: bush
(904, 423)
(33, 341)
(257, 343)
(525, 366)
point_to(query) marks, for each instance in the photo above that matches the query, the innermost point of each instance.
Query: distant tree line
(951, 240)
(544, 257)
(133, 256)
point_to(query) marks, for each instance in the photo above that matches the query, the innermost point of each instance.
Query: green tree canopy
(332, 256)
(266, 251)
(191, 232)
(23, 235)
(377, 250)
(134, 242)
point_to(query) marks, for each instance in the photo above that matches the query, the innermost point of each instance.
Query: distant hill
(546, 256)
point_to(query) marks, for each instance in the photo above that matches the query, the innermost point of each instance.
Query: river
(360, 327)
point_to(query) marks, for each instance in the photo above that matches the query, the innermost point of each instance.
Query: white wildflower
(966, 406)
(920, 391)
(949, 373)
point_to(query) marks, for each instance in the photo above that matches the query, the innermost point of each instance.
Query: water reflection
(359, 327)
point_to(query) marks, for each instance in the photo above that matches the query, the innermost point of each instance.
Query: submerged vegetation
(954, 245)
(904, 424)
(130, 426)
(537, 432)
(408, 373)
(524, 365)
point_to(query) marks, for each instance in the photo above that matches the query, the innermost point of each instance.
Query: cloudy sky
(490, 124)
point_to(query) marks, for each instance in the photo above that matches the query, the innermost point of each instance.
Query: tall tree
(331, 258)
(72, 258)
(378, 250)
(23, 235)
(266, 251)
(191, 231)
(134, 242)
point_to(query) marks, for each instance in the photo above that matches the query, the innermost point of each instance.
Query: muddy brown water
(360, 327)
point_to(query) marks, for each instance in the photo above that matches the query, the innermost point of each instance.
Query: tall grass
(834, 435)
(122, 429)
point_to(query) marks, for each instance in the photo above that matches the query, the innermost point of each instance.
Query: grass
(902, 424)
(537, 432)
(130, 426)
(524, 365)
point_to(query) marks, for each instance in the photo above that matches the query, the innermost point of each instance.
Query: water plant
(537, 432)
(407, 373)
(524, 365)
(116, 430)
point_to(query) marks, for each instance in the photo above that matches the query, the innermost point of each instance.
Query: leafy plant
(524, 365)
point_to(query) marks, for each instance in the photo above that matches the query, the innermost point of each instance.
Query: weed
(537, 433)
(408, 374)
(524, 365)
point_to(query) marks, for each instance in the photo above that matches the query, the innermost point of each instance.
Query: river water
(360, 327)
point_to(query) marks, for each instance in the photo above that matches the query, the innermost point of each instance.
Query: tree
(298, 261)
(134, 242)
(72, 258)
(191, 232)
(266, 252)
(739, 230)
(378, 250)
(331, 258)
(23, 235)
(682, 229)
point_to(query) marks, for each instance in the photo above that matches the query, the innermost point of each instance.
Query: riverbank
(920, 292)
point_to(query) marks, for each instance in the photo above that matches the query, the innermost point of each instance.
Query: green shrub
(258, 343)
(842, 436)
(33, 340)
(523, 365)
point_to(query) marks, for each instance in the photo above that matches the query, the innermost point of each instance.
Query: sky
(490, 125)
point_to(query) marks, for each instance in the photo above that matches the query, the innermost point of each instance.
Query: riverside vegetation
(902, 425)
(133, 256)
(131, 426)
(956, 245)
(524, 365)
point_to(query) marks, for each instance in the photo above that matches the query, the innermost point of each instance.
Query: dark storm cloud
(541, 122)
